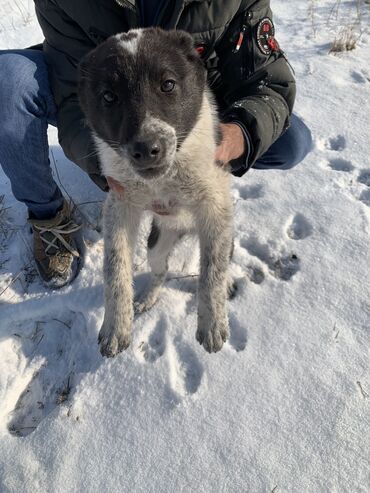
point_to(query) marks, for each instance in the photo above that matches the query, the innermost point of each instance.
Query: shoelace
(57, 232)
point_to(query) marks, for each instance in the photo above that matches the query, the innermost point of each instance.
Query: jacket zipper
(240, 39)
(176, 14)
(245, 32)
(133, 8)
(247, 16)
(161, 13)
(123, 3)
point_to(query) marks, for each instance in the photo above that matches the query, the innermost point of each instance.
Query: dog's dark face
(141, 93)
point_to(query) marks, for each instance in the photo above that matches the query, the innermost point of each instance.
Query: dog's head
(141, 93)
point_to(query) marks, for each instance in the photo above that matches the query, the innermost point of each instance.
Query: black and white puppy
(145, 97)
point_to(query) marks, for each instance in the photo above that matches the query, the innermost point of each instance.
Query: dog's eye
(168, 85)
(109, 97)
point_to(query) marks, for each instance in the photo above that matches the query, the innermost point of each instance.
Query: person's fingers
(232, 145)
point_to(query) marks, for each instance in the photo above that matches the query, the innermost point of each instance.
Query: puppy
(145, 98)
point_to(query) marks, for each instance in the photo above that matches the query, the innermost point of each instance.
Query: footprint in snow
(153, 345)
(341, 165)
(282, 267)
(185, 370)
(337, 143)
(238, 334)
(255, 274)
(364, 177)
(189, 368)
(365, 197)
(299, 228)
(251, 192)
(61, 344)
(360, 78)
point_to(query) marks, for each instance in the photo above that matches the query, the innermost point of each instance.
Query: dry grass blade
(6, 227)
(364, 394)
(3, 209)
(25, 270)
(15, 278)
(311, 16)
(25, 13)
(334, 12)
(64, 392)
(76, 207)
(188, 276)
(352, 16)
(71, 201)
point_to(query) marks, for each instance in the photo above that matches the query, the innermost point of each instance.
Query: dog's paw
(112, 342)
(145, 302)
(213, 336)
(143, 306)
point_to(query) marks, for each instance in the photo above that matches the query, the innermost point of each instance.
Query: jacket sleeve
(65, 44)
(256, 86)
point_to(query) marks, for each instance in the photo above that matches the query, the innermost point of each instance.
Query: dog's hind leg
(160, 244)
(121, 223)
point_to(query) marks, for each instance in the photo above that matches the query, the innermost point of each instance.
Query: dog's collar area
(163, 209)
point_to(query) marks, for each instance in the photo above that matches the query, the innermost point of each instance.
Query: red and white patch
(266, 36)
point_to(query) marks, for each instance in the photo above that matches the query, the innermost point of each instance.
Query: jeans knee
(295, 144)
(290, 149)
(23, 80)
(301, 140)
(16, 75)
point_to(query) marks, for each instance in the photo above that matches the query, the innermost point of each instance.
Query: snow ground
(284, 407)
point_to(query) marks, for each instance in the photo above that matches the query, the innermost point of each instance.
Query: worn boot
(55, 251)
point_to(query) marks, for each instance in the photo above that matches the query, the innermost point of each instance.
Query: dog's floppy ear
(184, 42)
(183, 39)
(84, 76)
(85, 65)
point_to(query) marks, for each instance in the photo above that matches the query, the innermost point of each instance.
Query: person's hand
(115, 186)
(232, 145)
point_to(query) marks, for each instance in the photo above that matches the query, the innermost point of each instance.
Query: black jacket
(247, 70)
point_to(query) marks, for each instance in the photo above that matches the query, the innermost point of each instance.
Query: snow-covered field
(284, 407)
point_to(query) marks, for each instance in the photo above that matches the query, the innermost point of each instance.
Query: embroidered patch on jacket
(266, 36)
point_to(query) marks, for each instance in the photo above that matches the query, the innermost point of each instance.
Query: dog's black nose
(145, 152)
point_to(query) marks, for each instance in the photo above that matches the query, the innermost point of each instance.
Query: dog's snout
(145, 152)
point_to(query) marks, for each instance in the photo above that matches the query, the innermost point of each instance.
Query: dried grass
(3, 221)
(345, 41)
(345, 18)
(351, 32)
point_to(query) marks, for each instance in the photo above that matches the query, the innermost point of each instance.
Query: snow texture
(284, 407)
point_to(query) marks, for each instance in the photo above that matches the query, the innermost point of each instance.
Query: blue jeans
(27, 107)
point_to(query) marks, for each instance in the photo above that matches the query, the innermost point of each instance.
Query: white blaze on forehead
(129, 41)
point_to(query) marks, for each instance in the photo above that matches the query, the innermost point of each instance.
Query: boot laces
(57, 233)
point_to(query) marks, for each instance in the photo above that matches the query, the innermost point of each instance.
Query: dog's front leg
(215, 234)
(121, 223)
